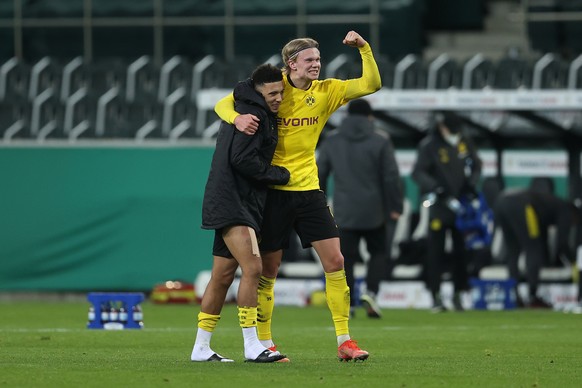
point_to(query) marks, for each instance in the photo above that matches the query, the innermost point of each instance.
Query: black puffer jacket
(367, 183)
(241, 167)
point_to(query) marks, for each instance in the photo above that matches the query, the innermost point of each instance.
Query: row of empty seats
(140, 99)
(142, 79)
(549, 71)
(86, 116)
(106, 99)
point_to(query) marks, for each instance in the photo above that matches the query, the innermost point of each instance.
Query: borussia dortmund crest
(310, 100)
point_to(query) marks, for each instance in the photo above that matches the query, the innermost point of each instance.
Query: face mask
(453, 139)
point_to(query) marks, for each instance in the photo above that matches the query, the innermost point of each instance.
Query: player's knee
(254, 271)
(270, 268)
(334, 262)
(225, 280)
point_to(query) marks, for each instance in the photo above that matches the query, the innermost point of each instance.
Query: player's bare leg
(223, 271)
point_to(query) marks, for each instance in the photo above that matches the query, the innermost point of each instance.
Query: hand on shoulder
(247, 123)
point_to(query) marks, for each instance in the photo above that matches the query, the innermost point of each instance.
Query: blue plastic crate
(493, 294)
(130, 302)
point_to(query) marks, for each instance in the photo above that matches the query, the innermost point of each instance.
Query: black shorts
(219, 248)
(305, 211)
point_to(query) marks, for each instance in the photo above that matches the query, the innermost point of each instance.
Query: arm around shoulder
(224, 108)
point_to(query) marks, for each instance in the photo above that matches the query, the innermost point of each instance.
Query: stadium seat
(410, 73)
(177, 116)
(340, 67)
(205, 74)
(443, 73)
(97, 77)
(80, 114)
(142, 80)
(112, 116)
(478, 73)
(47, 116)
(15, 119)
(174, 73)
(106, 74)
(513, 72)
(14, 79)
(44, 74)
(73, 78)
(575, 73)
(144, 119)
(549, 73)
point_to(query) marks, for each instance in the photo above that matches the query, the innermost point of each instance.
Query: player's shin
(266, 304)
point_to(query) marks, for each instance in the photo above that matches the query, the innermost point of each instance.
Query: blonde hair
(293, 48)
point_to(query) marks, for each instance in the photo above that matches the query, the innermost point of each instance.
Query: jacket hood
(356, 127)
(245, 92)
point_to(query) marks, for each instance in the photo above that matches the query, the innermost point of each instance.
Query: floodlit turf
(47, 345)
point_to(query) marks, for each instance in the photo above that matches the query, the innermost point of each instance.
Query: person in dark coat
(367, 196)
(524, 216)
(447, 166)
(233, 205)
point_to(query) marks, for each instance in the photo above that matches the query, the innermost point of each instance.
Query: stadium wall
(101, 218)
(125, 217)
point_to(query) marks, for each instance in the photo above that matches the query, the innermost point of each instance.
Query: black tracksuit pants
(377, 246)
(442, 219)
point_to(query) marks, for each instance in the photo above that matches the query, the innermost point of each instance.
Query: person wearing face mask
(447, 167)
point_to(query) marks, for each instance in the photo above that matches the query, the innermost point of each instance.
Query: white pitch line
(328, 328)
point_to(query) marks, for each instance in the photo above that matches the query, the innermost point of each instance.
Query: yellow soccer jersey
(302, 116)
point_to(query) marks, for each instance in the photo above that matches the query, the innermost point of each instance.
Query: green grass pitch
(46, 344)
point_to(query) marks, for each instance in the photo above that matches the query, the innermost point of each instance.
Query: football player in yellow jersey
(301, 205)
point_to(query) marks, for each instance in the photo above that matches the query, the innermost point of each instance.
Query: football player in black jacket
(233, 205)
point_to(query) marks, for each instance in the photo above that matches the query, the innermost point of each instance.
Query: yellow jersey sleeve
(370, 80)
(224, 108)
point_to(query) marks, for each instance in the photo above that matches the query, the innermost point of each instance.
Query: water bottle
(123, 315)
(113, 314)
(104, 313)
(91, 315)
(137, 315)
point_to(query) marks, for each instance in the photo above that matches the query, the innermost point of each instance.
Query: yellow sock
(337, 294)
(207, 322)
(247, 316)
(266, 294)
